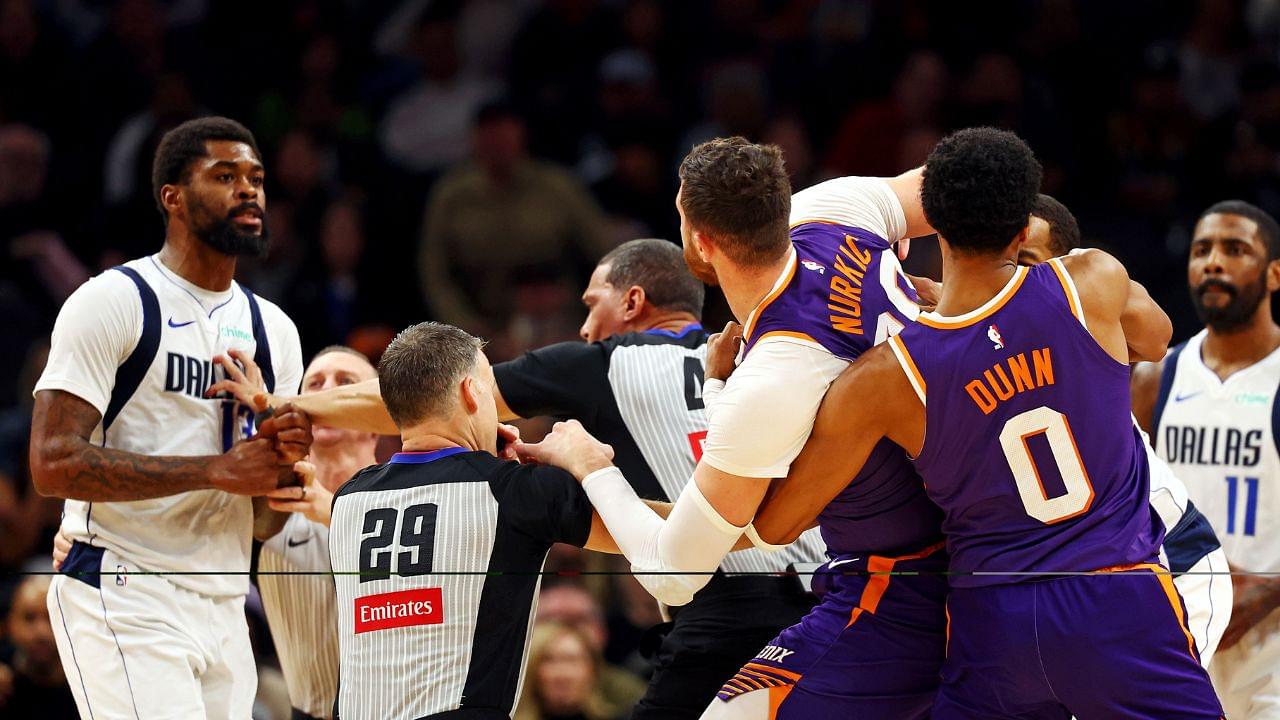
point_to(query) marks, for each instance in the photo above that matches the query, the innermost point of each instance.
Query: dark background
(1143, 113)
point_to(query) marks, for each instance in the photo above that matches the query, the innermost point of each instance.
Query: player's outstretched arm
(870, 400)
(65, 464)
(673, 558)
(357, 406)
(1118, 312)
(601, 540)
(907, 189)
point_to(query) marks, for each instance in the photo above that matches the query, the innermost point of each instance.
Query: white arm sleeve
(711, 390)
(681, 552)
(97, 327)
(863, 202)
(765, 412)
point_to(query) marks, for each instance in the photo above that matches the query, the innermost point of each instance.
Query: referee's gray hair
(658, 267)
(420, 369)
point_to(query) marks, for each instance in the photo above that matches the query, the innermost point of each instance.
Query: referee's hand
(571, 447)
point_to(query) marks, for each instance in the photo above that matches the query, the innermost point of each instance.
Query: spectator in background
(562, 680)
(502, 222)
(27, 520)
(37, 269)
(425, 129)
(870, 139)
(736, 97)
(324, 302)
(788, 132)
(572, 606)
(32, 683)
(1210, 55)
(553, 62)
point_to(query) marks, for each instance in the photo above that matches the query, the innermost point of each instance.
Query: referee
(637, 385)
(437, 554)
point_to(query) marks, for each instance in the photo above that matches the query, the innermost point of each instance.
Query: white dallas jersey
(1220, 439)
(141, 353)
(302, 612)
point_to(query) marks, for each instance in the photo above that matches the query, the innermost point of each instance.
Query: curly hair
(738, 192)
(980, 186)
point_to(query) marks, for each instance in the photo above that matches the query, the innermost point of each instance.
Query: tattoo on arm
(65, 464)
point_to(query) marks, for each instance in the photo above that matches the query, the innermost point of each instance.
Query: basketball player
(1195, 556)
(1013, 399)
(157, 477)
(1210, 406)
(816, 283)
(438, 552)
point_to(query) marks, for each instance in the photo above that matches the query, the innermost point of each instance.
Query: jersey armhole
(1167, 374)
(1069, 289)
(908, 366)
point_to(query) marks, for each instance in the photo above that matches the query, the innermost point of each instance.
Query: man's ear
(470, 395)
(171, 199)
(633, 303)
(1273, 276)
(704, 246)
(1021, 238)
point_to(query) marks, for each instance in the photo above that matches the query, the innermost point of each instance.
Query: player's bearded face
(227, 233)
(1224, 306)
(698, 267)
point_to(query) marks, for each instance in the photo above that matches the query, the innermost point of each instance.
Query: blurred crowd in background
(470, 160)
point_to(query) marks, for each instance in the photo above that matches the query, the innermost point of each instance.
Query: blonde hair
(596, 706)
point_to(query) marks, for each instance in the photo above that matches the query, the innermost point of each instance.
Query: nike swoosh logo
(173, 324)
(300, 542)
(1180, 397)
(834, 563)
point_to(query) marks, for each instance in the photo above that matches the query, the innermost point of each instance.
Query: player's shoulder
(110, 291)
(1091, 265)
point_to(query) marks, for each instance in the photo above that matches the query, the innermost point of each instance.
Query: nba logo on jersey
(816, 267)
(993, 334)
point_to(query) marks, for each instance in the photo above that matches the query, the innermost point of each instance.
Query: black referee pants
(711, 638)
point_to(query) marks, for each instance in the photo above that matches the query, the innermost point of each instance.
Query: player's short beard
(699, 268)
(223, 235)
(1239, 311)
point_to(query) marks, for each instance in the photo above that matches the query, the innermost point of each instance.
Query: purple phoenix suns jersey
(844, 291)
(1029, 447)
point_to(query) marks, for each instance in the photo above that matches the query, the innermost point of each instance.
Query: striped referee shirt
(302, 613)
(642, 394)
(437, 558)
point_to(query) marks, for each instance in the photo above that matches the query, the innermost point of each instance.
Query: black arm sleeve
(545, 503)
(568, 379)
